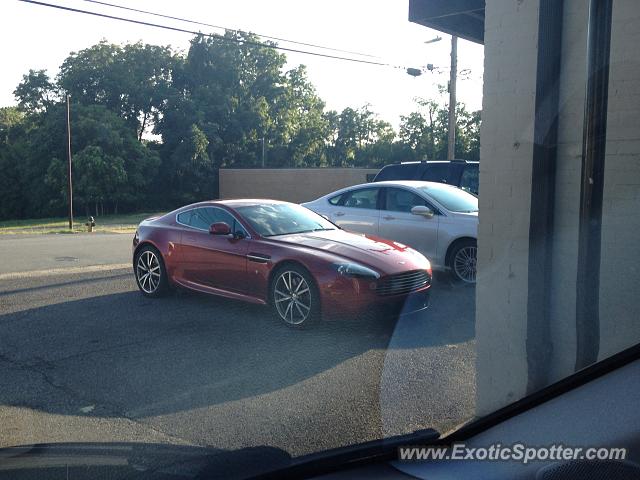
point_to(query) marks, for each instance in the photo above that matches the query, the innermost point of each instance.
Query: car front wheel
(464, 260)
(151, 276)
(294, 296)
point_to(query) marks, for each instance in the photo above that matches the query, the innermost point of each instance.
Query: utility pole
(69, 183)
(451, 147)
(262, 151)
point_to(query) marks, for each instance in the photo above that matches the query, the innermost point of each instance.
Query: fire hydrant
(91, 223)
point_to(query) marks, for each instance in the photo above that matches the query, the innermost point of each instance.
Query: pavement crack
(33, 368)
(108, 408)
(108, 348)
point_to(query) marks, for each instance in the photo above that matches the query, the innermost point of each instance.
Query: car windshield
(270, 220)
(451, 198)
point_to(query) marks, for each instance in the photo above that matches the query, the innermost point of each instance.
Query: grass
(105, 224)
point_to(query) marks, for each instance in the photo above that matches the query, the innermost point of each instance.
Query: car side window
(436, 172)
(203, 217)
(401, 200)
(185, 217)
(336, 200)
(362, 198)
(469, 180)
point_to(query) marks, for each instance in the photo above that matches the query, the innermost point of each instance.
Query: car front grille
(403, 282)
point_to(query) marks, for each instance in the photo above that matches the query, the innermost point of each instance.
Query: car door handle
(388, 217)
(339, 214)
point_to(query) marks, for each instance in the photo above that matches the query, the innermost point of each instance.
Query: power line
(195, 22)
(220, 37)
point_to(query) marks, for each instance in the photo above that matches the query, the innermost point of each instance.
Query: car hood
(384, 255)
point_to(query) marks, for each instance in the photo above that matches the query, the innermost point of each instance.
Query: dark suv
(461, 173)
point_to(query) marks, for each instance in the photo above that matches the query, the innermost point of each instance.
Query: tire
(150, 273)
(463, 261)
(294, 297)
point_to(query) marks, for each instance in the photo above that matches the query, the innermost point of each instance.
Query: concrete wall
(506, 150)
(505, 176)
(290, 184)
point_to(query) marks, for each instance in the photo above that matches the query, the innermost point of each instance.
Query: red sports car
(281, 254)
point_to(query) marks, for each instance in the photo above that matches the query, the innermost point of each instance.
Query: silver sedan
(438, 220)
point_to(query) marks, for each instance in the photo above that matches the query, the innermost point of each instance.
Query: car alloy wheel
(464, 263)
(148, 272)
(292, 297)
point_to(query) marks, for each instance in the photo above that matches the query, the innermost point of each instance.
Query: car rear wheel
(294, 297)
(151, 276)
(464, 261)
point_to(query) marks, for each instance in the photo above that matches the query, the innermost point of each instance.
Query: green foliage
(35, 93)
(133, 81)
(11, 119)
(215, 106)
(426, 132)
(359, 138)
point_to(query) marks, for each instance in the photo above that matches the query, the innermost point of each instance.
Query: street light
(434, 40)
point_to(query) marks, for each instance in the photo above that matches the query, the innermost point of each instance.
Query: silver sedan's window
(401, 200)
(452, 198)
(363, 198)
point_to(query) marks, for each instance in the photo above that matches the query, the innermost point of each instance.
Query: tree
(133, 81)
(110, 166)
(10, 118)
(354, 134)
(237, 93)
(425, 132)
(98, 178)
(301, 118)
(191, 168)
(36, 92)
(231, 91)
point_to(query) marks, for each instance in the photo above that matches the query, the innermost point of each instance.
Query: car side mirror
(422, 210)
(220, 228)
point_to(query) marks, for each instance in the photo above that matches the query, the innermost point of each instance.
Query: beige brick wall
(505, 173)
(290, 184)
(505, 182)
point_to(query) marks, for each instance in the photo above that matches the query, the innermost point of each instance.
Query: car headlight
(355, 270)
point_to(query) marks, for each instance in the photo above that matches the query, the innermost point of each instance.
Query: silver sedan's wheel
(150, 274)
(464, 262)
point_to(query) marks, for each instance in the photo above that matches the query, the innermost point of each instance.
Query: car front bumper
(355, 298)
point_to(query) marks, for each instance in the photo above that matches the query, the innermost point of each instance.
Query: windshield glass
(453, 199)
(281, 219)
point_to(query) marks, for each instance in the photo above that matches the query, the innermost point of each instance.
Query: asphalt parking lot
(85, 358)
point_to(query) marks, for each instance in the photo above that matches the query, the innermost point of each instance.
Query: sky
(41, 38)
